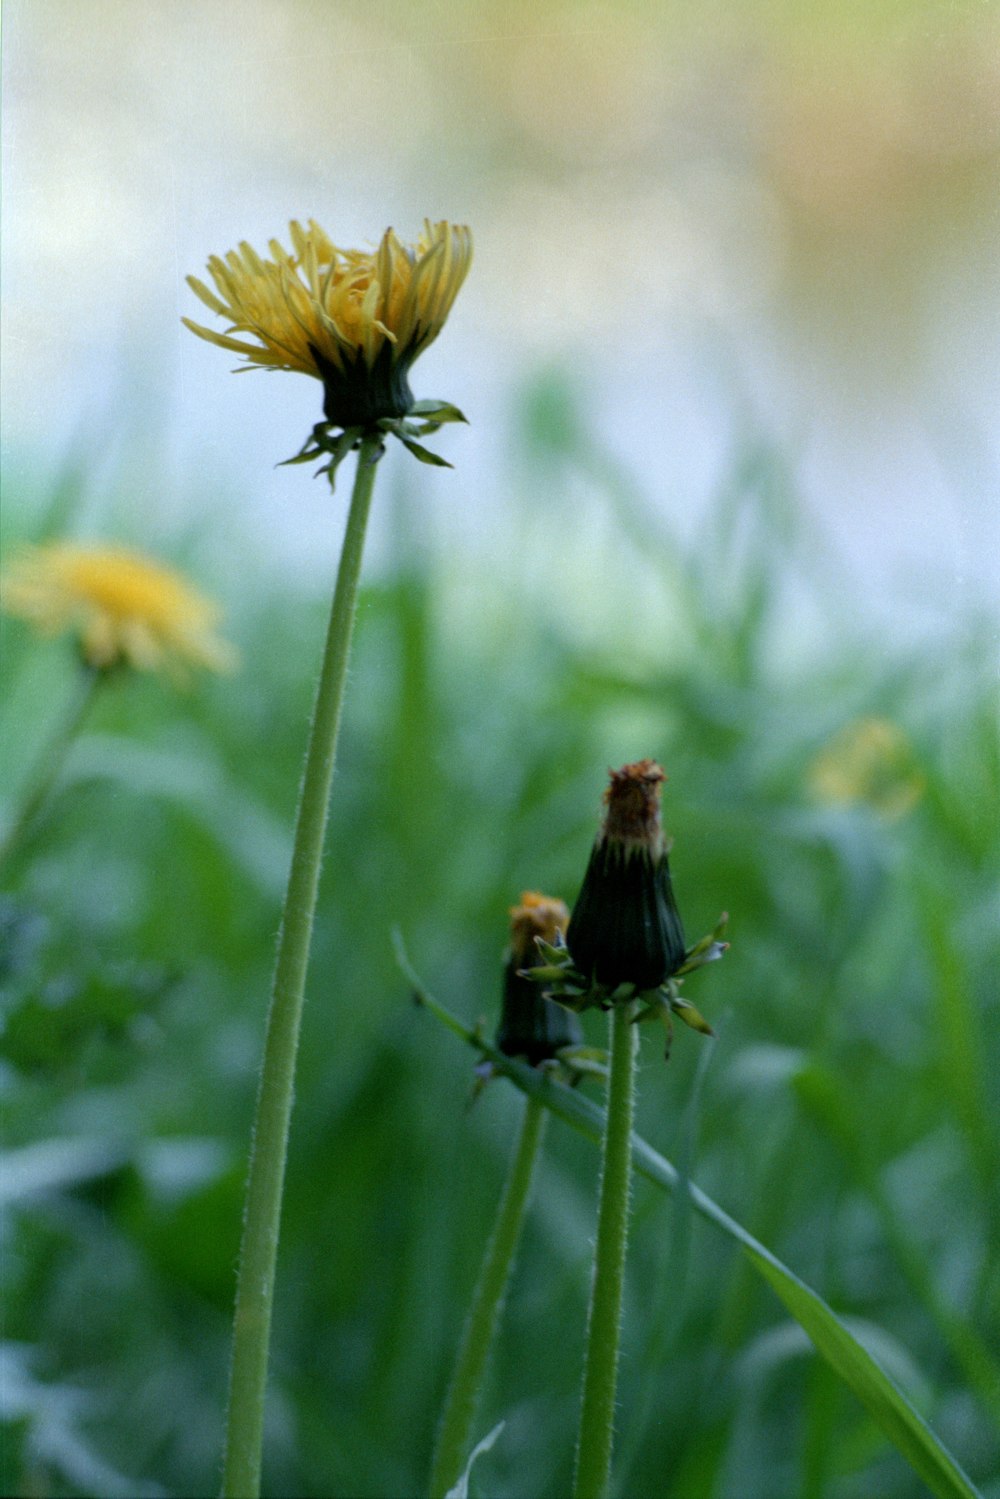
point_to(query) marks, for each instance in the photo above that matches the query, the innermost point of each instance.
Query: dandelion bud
(625, 927)
(532, 1026)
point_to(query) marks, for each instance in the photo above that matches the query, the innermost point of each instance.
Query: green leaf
(885, 1403)
(461, 1489)
(50, 1420)
(57, 1165)
(901, 1423)
(59, 1000)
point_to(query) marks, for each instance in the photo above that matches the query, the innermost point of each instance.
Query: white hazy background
(718, 218)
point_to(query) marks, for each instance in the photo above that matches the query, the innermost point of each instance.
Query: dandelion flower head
(122, 607)
(354, 319)
(869, 762)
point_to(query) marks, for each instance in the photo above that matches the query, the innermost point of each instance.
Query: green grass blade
(885, 1403)
(461, 1488)
(834, 1112)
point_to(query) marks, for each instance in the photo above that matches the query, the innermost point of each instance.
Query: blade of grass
(833, 1111)
(886, 1404)
(960, 1045)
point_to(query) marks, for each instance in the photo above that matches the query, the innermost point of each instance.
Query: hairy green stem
(600, 1374)
(262, 1213)
(455, 1432)
(51, 763)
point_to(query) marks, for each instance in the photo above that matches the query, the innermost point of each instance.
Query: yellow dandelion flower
(870, 761)
(122, 607)
(353, 319)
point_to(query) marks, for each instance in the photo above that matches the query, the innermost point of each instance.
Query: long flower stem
(600, 1376)
(455, 1432)
(51, 762)
(262, 1216)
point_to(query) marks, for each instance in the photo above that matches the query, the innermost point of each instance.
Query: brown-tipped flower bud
(625, 927)
(532, 1026)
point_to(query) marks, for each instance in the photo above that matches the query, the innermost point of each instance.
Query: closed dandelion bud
(625, 927)
(532, 1026)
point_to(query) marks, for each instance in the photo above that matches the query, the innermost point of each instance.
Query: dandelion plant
(541, 1032)
(354, 320)
(123, 611)
(624, 951)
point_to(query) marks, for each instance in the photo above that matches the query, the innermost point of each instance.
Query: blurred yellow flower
(122, 607)
(535, 916)
(869, 761)
(355, 320)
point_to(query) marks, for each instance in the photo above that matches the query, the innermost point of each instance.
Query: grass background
(846, 1114)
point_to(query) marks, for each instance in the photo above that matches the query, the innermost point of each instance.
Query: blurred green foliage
(845, 1113)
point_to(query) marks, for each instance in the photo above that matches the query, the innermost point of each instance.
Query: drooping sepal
(325, 441)
(432, 416)
(437, 413)
(313, 447)
(690, 1015)
(424, 455)
(663, 1005)
(330, 440)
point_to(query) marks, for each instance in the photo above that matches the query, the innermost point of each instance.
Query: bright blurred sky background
(718, 217)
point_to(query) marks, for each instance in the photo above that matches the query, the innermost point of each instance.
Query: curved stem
(600, 1375)
(262, 1215)
(455, 1432)
(51, 763)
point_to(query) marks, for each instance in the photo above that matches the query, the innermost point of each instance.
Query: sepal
(584, 1061)
(309, 450)
(424, 454)
(663, 1004)
(328, 441)
(691, 1016)
(437, 413)
(553, 952)
(707, 950)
